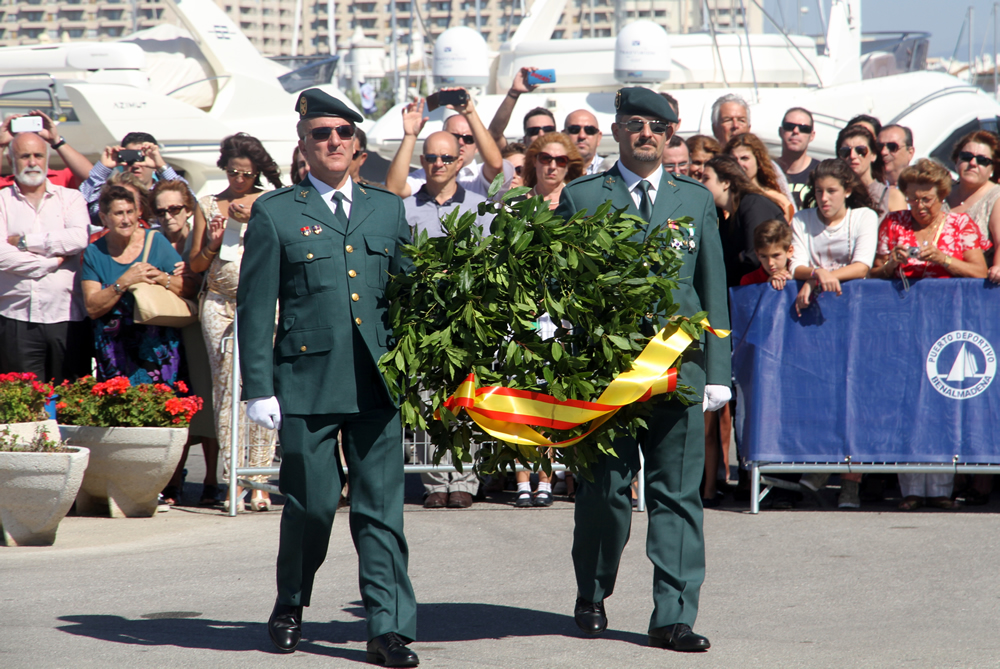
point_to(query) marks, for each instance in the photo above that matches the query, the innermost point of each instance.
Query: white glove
(265, 411)
(715, 398)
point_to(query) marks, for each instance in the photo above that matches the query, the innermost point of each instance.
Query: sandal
(209, 495)
(911, 504)
(170, 495)
(260, 501)
(943, 503)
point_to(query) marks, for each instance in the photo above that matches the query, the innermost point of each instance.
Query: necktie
(645, 204)
(340, 215)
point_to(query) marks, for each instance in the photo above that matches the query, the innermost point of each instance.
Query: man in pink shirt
(43, 230)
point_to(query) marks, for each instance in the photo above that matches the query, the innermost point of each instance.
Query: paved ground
(806, 588)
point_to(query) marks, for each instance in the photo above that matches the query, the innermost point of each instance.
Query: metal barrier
(419, 449)
(758, 469)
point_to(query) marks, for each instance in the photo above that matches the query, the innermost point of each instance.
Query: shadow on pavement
(444, 622)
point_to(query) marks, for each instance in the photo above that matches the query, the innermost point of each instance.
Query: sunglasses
(173, 210)
(892, 146)
(547, 159)
(323, 134)
(432, 158)
(655, 127)
(241, 173)
(531, 132)
(468, 139)
(845, 151)
(575, 129)
(804, 128)
(517, 170)
(968, 157)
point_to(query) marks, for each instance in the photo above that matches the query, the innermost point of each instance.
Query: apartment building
(270, 24)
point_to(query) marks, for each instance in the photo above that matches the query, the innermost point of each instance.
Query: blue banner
(879, 373)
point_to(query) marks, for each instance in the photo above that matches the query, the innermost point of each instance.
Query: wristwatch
(21, 245)
(62, 140)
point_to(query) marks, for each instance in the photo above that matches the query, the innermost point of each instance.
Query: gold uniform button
(358, 321)
(309, 256)
(387, 250)
(303, 349)
(355, 297)
(349, 249)
(352, 273)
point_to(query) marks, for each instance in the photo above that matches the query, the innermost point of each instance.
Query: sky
(942, 18)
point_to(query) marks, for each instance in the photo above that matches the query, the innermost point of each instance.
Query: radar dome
(642, 53)
(460, 58)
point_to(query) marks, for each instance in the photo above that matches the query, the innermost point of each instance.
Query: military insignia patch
(304, 230)
(303, 193)
(303, 106)
(317, 229)
(618, 100)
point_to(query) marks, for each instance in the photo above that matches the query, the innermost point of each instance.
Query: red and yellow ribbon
(508, 414)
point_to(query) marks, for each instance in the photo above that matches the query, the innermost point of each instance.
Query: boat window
(943, 151)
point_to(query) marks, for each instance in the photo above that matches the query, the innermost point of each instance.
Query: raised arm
(502, 116)
(73, 159)
(399, 168)
(488, 149)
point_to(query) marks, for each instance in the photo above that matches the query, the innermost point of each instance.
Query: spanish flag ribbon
(509, 414)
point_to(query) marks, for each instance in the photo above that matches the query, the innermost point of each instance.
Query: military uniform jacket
(327, 283)
(702, 280)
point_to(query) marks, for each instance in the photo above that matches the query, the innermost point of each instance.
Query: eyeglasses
(655, 127)
(173, 210)
(804, 128)
(548, 159)
(531, 132)
(467, 139)
(968, 157)
(517, 169)
(845, 151)
(432, 158)
(674, 167)
(925, 202)
(575, 129)
(357, 154)
(323, 134)
(892, 146)
(241, 173)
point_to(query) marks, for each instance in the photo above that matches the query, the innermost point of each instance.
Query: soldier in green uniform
(323, 250)
(673, 446)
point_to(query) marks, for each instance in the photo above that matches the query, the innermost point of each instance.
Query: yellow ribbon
(508, 414)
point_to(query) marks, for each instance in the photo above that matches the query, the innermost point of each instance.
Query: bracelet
(117, 288)
(947, 261)
(58, 145)
(208, 253)
(812, 274)
(168, 283)
(513, 97)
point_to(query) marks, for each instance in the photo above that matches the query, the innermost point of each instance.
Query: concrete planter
(37, 490)
(129, 466)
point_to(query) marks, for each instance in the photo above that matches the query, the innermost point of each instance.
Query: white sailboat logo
(964, 367)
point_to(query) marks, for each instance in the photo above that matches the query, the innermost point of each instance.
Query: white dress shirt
(632, 180)
(326, 192)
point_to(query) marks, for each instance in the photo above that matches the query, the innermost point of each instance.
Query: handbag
(155, 305)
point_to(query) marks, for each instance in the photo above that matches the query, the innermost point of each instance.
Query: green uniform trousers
(373, 449)
(674, 451)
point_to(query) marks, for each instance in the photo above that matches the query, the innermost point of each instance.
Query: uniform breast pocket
(380, 252)
(312, 266)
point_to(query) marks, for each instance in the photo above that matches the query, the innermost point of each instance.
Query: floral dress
(958, 234)
(142, 353)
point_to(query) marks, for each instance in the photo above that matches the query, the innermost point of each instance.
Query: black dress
(737, 234)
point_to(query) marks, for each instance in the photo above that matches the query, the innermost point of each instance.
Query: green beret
(314, 103)
(639, 101)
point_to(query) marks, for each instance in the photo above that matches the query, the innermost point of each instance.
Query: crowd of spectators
(79, 238)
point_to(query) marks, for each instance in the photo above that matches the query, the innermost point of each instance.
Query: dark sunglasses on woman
(548, 159)
(845, 151)
(575, 129)
(968, 157)
(173, 210)
(240, 173)
(323, 134)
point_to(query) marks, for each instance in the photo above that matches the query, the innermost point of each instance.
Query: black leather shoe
(390, 650)
(285, 627)
(678, 637)
(589, 616)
